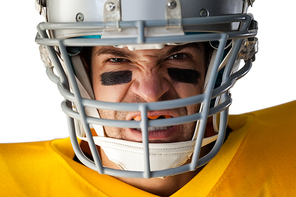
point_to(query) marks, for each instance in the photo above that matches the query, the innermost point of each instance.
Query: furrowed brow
(180, 47)
(112, 51)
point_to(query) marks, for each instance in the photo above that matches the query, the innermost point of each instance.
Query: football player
(146, 86)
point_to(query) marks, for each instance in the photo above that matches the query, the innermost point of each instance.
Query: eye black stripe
(117, 77)
(184, 75)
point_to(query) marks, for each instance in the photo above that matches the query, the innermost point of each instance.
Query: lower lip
(167, 135)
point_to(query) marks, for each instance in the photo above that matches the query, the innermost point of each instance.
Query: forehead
(166, 50)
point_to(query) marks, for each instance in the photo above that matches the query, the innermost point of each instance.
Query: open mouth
(138, 118)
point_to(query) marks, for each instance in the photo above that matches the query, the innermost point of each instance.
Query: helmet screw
(172, 4)
(79, 17)
(204, 13)
(110, 6)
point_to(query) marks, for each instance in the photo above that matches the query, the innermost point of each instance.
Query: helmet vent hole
(204, 13)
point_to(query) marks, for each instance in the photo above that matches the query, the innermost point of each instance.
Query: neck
(158, 186)
(161, 186)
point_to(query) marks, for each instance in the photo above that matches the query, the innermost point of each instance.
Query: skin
(150, 82)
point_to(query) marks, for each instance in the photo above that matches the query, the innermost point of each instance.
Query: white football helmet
(71, 25)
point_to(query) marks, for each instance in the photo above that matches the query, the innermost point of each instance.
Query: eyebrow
(112, 51)
(178, 48)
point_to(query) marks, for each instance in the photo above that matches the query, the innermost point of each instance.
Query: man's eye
(178, 56)
(117, 60)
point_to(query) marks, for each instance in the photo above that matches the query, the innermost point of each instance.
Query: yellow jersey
(257, 159)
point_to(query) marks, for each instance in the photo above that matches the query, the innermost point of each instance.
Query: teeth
(156, 128)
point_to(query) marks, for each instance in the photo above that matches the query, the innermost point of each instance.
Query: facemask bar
(80, 102)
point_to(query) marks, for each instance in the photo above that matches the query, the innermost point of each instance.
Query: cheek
(108, 93)
(110, 86)
(185, 90)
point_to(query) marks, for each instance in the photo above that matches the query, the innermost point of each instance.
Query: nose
(150, 87)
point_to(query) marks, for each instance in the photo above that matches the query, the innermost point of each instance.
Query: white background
(30, 103)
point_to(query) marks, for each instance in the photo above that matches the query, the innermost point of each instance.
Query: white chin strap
(129, 155)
